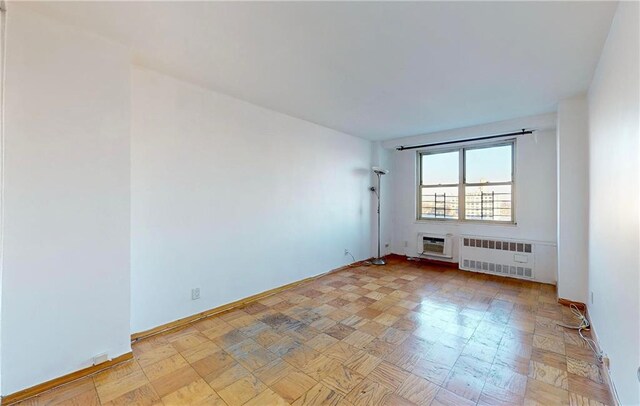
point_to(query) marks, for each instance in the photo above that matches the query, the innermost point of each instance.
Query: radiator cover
(498, 256)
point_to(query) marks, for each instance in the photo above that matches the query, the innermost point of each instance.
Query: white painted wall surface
(614, 227)
(66, 239)
(235, 199)
(535, 193)
(573, 192)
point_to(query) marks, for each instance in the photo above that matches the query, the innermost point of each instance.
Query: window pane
(440, 169)
(439, 202)
(488, 164)
(488, 203)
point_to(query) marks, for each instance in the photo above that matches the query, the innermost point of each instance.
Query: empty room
(319, 203)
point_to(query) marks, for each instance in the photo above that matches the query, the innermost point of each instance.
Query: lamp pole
(378, 260)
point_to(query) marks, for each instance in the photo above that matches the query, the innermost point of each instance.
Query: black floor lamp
(379, 172)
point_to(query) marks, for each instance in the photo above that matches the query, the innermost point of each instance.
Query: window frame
(461, 149)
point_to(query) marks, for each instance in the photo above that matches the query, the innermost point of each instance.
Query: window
(472, 183)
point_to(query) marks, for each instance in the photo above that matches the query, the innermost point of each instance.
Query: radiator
(514, 258)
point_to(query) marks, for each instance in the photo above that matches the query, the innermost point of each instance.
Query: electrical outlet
(591, 297)
(195, 293)
(100, 358)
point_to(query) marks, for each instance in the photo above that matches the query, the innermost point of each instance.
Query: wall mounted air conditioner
(435, 245)
(514, 258)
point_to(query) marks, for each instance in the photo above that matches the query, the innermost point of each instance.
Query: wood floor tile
(241, 391)
(580, 352)
(229, 339)
(589, 388)
(389, 375)
(404, 334)
(220, 380)
(545, 394)
(580, 400)
(267, 397)
(548, 374)
(195, 393)
(173, 381)
(267, 337)
(553, 344)
(505, 378)
(321, 342)
(165, 366)
(446, 398)
(342, 379)
(368, 393)
(319, 395)
(464, 383)
(142, 396)
(431, 371)
(188, 341)
(200, 351)
(339, 331)
(75, 393)
(299, 357)
(494, 396)
(379, 348)
(418, 390)
(362, 362)
(393, 399)
(293, 385)
(273, 371)
(340, 351)
(213, 364)
(358, 339)
(119, 371)
(319, 367)
(584, 368)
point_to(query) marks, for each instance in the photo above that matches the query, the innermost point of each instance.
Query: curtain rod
(488, 137)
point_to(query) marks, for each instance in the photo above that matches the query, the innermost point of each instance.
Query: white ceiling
(376, 70)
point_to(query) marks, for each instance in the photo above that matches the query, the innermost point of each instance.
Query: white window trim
(461, 182)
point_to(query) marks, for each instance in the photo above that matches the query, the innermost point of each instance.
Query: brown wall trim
(566, 302)
(423, 260)
(73, 376)
(230, 306)
(605, 367)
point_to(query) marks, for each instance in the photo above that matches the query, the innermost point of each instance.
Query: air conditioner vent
(435, 245)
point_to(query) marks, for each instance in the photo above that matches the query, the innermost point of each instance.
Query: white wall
(573, 193)
(66, 237)
(535, 196)
(614, 241)
(235, 199)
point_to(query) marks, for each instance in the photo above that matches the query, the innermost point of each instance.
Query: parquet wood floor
(402, 334)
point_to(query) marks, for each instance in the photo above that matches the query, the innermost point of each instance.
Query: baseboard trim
(605, 367)
(566, 302)
(185, 321)
(65, 379)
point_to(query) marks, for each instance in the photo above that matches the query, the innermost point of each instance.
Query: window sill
(457, 223)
